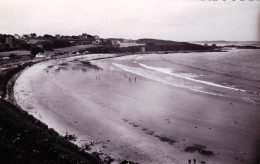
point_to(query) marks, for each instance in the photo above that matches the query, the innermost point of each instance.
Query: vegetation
(47, 36)
(23, 139)
(60, 43)
(8, 74)
(36, 50)
(14, 56)
(165, 45)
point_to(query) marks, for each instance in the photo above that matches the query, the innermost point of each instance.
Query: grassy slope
(161, 42)
(24, 139)
(167, 45)
(17, 52)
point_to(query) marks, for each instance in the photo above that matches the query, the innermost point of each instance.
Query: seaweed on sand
(199, 148)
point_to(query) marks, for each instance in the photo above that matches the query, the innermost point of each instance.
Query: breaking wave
(152, 76)
(169, 71)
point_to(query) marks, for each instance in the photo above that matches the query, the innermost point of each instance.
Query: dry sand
(144, 121)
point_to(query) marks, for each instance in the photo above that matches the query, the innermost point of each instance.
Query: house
(40, 55)
(115, 43)
(96, 37)
(9, 41)
(125, 41)
(24, 37)
(33, 35)
(84, 36)
(98, 41)
(17, 36)
(57, 36)
(142, 48)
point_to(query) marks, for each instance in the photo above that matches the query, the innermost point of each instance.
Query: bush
(36, 50)
(13, 56)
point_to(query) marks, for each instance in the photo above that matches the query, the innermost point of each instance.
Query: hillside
(167, 45)
(160, 42)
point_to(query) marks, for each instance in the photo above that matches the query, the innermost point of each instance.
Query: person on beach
(135, 79)
(194, 160)
(189, 161)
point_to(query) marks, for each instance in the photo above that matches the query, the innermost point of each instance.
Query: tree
(47, 45)
(13, 56)
(36, 50)
(47, 36)
(60, 43)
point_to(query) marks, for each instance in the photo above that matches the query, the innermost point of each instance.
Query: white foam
(189, 75)
(152, 76)
(97, 63)
(168, 71)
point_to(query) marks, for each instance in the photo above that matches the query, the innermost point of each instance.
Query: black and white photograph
(129, 81)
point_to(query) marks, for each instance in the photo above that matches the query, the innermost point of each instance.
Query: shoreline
(8, 101)
(155, 136)
(28, 135)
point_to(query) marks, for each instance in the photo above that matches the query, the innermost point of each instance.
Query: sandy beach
(129, 116)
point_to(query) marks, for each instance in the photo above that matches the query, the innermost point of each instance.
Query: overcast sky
(162, 19)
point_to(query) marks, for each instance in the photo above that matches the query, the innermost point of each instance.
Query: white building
(142, 48)
(17, 36)
(115, 43)
(96, 37)
(84, 36)
(40, 55)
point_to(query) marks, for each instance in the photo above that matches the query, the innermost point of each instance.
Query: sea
(234, 73)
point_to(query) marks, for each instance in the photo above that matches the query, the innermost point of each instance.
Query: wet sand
(140, 119)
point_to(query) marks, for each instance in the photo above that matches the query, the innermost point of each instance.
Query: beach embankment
(24, 139)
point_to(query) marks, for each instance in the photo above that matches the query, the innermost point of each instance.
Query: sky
(179, 20)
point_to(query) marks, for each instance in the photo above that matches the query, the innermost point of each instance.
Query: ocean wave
(151, 75)
(154, 76)
(169, 71)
